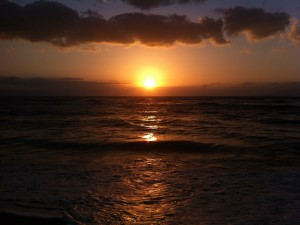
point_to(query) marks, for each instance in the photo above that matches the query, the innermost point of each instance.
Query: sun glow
(149, 78)
(149, 83)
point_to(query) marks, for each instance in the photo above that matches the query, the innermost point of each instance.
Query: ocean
(150, 160)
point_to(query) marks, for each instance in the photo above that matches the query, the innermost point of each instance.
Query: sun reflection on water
(144, 192)
(150, 122)
(150, 119)
(149, 137)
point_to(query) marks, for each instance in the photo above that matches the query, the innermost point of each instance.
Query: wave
(250, 145)
(179, 146)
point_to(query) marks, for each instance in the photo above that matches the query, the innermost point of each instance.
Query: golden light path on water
(142, 181)
(146, 191)
(146, 188)
(150, 123)
(137, 186)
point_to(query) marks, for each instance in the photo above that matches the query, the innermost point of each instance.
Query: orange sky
(270, 58)
(174, 66)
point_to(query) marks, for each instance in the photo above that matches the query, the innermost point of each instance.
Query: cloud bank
(38, 86)
(16, 86)
(55, 23)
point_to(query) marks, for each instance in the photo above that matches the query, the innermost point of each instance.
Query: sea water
(151, 160)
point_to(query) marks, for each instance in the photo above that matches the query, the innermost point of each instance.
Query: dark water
(144, 160)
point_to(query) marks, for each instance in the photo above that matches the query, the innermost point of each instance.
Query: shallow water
(151, 160)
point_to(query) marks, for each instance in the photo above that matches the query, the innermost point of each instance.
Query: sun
(149, 78)
(149, 83)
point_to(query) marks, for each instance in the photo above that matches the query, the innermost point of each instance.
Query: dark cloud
(149, 4)
(39, 21)
(166, 30)
(58, 87)
(91, 13)
(256, 22)
(55, 23)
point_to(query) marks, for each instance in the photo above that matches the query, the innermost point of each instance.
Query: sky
(180, 47)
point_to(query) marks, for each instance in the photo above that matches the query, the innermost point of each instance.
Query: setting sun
(149, 78)
(149, 83)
